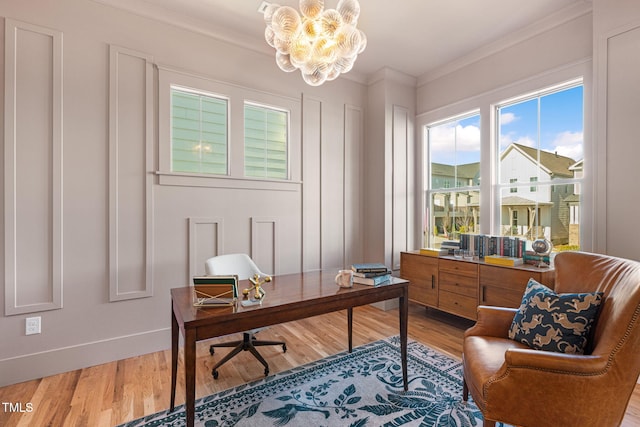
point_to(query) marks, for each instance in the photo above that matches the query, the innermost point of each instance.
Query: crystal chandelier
(321, 43)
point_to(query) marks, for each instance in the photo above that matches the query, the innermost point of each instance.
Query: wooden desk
(289, 297)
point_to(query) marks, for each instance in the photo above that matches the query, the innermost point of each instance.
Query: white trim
(255, 238)
(193, 241)
(11, 166)
(115, 292)
(200, 180)
(70, 358)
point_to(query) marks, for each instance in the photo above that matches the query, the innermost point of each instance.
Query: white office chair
(244, 267)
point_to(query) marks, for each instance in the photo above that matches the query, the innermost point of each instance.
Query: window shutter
(198, 133)
(265, 142)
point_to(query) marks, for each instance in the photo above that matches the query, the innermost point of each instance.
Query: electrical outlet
(32, 325)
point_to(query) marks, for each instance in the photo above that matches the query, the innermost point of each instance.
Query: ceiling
(415, 37)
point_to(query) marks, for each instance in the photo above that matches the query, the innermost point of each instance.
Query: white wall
(616, 40)
(311, 223)
(389, 166)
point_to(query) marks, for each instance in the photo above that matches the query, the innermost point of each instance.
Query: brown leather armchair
(515, 384)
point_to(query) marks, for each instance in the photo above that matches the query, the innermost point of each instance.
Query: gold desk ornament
(256, 289)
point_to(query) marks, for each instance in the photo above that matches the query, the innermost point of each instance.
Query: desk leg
(174, 357)
(404, 320)
(190, 375)
(350, 327)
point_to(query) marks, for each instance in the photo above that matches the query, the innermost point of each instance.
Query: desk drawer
(456, 283)
(458, 304)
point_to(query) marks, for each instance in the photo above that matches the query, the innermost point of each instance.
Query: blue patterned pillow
(554, 322)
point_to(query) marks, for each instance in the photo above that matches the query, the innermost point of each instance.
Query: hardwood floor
(116, 392)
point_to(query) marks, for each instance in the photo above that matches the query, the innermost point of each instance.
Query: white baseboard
(43, 364)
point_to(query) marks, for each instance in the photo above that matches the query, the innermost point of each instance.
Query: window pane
(454, 149)
(198, 133)
(553, 216)
(265, 142)
(541, 144)
(453, 213)
(454, 153)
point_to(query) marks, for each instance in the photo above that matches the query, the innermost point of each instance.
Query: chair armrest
(577, 364)
(492, 322)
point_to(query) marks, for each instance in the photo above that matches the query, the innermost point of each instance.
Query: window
(210, 135)
(199, 135)
(532, 161)
(453, 195)
(540, 140)
(266, 137)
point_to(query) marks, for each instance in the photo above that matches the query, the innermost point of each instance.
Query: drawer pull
(433, 281)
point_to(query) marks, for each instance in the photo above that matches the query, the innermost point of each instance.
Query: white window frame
(489, 194)
(237, 95)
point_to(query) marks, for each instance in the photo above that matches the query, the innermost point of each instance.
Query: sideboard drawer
(459, 284)
(458, 304)
(459, 267)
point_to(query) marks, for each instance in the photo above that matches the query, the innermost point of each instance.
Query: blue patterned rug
(363, 388)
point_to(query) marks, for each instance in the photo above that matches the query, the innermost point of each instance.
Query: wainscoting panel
(621, 93)
(332, 188)
(130, 174)
(311, 189)
(353, 214)
(205, 241)
(264, 244)
(401, 129)
(32, 168)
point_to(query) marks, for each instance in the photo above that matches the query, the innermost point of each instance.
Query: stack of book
(530, 257)
(372, 274)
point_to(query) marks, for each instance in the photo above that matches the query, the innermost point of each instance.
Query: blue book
(372, 281)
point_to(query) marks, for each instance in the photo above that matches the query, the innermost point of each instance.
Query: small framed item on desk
(213, 291)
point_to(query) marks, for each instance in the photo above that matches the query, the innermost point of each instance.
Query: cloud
(506, 118)
(467, 138)
(569, 144)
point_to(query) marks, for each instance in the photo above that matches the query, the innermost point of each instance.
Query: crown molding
(389, 74)
(563, 16)
(146, 9)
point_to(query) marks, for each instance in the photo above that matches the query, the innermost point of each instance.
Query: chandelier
(321, 43)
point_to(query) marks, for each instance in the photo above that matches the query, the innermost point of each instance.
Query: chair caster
(215, 374)
(284, 348)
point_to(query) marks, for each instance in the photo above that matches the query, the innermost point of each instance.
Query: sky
(561, 129)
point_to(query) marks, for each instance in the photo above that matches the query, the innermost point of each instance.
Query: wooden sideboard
(458, 286)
